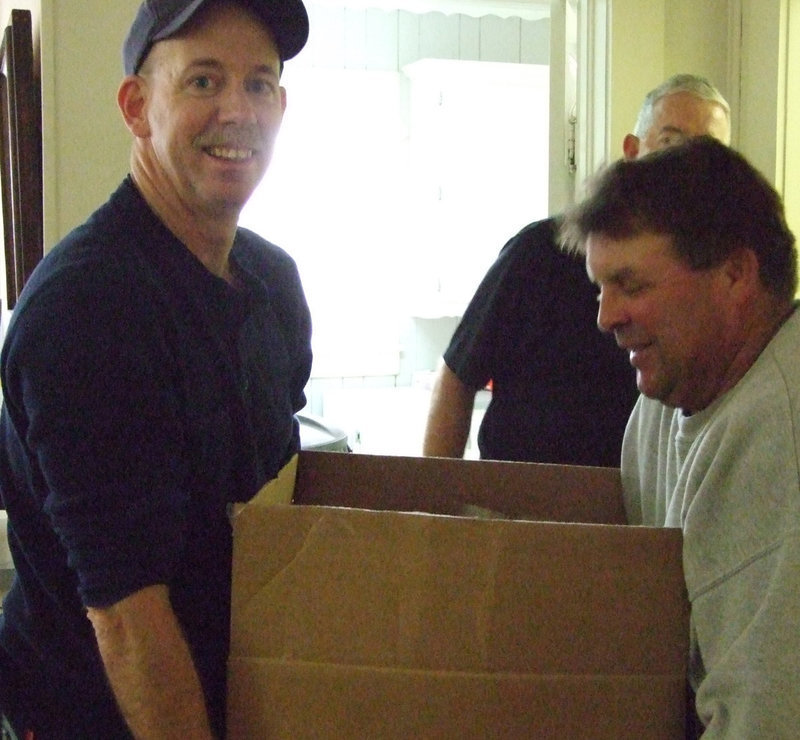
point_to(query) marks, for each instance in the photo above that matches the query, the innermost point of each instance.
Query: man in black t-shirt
(561, 390)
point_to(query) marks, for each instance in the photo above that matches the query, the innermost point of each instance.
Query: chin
(651, 388)
(232, 196)
(223, 206)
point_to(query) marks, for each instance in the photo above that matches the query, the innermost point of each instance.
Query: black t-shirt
(562, 390)
(142, 395)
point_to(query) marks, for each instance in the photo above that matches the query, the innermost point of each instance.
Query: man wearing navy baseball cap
(160, 19)
(150, 375)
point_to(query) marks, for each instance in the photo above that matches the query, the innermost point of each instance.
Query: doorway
(416, 142)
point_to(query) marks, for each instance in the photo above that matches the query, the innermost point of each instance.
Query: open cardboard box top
(354, 617)
(433, 485)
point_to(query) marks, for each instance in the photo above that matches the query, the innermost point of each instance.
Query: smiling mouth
(635, 352)
(633, 348)
(230, 154)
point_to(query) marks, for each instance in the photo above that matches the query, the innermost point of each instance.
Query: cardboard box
(353, 617)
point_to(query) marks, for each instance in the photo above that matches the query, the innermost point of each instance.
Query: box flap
(279, 490)
(449, 486)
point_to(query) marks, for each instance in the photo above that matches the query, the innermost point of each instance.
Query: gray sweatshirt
(729, 477)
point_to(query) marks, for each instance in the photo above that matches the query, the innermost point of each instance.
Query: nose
(611, 313)
(236, 105)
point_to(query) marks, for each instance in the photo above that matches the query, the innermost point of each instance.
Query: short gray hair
(698, 86)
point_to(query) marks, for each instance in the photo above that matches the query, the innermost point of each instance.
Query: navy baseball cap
(159, 19)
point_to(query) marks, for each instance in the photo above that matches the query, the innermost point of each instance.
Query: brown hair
(704, 195)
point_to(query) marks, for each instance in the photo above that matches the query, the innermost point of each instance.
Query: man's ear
(630, 146)
(741, 270)
(132, 102)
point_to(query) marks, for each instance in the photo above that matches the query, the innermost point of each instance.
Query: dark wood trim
(20, 154)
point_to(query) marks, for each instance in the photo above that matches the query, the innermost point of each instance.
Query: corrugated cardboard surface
(357, 623)
(296, 700)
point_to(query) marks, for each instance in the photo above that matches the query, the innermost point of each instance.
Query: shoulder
(544, 231)
(108, 241)
(100, 281)
(649, 429)
(648, 413)
(275, 271)
(260, 256)
(536, 246)
(540, 236)
(783, 352)
(770, 390)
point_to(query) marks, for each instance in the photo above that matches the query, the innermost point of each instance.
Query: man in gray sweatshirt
(697, 275)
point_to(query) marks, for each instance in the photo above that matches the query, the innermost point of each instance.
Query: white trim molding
(526, 9)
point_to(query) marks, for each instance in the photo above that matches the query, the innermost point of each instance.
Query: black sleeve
(512, 291)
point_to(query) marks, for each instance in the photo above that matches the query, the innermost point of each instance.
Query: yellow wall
(89, 148)
(696, 38)
(636, 63)
(769, 110)
(84, 141)
(760, 84)
(653, 40)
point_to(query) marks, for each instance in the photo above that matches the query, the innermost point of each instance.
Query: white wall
(404, 224)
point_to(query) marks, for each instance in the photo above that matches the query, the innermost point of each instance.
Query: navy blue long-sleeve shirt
(142, 395)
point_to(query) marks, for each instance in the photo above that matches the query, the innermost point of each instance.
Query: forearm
(150, 668)
(449, 417)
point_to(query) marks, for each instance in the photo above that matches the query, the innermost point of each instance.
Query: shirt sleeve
(517, 276)
(100, 423)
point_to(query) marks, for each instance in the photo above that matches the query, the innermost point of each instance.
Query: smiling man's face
(677, 324)
(214, 107)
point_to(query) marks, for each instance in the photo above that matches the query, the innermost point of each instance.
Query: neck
(207, 235)
(763, 324)
(767, 323)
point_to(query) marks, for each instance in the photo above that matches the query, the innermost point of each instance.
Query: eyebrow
(216, 64)
(672, 130)
(617, 277)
